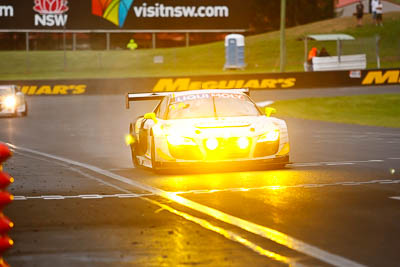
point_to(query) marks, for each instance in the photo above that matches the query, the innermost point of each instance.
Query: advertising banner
(124, 14)
(262, 81)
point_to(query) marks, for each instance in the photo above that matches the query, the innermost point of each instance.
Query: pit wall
(260, 81)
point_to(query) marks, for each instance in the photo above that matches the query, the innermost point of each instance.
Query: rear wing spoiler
(160, 95)
(144, 96)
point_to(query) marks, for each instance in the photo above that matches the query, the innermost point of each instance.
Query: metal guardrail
(109, 32)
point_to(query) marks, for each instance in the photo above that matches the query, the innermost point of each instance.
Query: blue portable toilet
(234, 51)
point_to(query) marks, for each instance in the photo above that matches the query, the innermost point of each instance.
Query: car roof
(161, 95)
(7, 86)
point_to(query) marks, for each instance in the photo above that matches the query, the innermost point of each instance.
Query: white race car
(204, 128)
(12, 101)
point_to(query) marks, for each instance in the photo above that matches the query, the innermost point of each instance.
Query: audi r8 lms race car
(12, 101)
(205, 127)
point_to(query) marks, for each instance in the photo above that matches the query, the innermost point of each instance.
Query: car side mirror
(269, 111)
(151, 116)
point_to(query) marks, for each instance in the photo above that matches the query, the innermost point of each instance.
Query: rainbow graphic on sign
(114, 11)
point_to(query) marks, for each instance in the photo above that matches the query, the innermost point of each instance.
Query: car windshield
(5, 91)
(206, 105)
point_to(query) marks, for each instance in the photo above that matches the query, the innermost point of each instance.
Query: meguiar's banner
(261, 81)
(124, 14)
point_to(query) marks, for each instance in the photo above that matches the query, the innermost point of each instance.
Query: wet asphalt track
(336, 195)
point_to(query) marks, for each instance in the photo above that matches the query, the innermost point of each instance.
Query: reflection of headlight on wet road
(10, 102)
(269, 136)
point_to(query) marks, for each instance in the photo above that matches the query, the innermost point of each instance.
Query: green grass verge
(395, 1)
(262, 54)
(374, 110)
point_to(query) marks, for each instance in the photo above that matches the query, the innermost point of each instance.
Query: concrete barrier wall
(261, 81)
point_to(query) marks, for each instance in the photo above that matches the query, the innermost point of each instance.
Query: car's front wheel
(135, 161)
(133, 147)
(25, 112)
(154, 163)
(22, 113)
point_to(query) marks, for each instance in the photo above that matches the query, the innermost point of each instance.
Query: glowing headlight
(243, 142)
(10, 102)
(129, 140)
(269, 136)
(176, 140)
(212, 143)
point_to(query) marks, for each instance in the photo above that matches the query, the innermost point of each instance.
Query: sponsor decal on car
(54, 90)
(183, 84)
(51, 12)
(208, 95)
(382, 77)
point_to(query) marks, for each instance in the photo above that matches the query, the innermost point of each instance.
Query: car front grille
(228, 148)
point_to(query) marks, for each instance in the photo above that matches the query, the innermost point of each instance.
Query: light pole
(283, 37)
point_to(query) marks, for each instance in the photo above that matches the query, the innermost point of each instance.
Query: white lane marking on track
(227, 234)
(20, 198)
(211, 191)
(378, 133)
(304, 164)
(52, 197)
(263, 231)
(333, 163)
(90, 196)
(347, 133)
(339, 163)
(60, 197)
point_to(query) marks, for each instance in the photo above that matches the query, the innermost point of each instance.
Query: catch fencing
(94, 56)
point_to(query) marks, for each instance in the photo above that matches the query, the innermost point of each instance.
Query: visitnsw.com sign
(124, 14)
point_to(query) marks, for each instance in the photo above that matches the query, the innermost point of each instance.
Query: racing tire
(135, 162)
(154, 164)
(25, 112)
(133, 147)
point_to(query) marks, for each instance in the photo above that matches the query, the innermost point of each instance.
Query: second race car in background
(12, 101)
(202, 127)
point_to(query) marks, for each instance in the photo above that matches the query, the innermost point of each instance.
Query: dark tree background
(266, 13)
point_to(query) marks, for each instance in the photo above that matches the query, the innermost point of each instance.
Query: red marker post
(5, 198)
